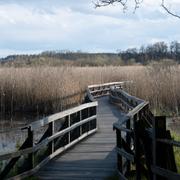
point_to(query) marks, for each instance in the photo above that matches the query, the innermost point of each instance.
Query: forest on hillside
(157, 52)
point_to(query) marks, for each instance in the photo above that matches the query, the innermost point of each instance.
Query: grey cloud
(47, 25)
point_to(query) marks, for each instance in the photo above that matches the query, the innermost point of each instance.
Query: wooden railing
(99, 90)
(60, 132)
(140, 138)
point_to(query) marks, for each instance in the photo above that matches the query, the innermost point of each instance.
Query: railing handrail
(44, 121)
(60, 115)
(107, 84)
(127, 96)
(137, 109)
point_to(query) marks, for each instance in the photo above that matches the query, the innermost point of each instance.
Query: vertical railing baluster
(69, 125)
(137, 148)
(89, 125)
(51, 132)
(128, 141)
(80, 128)
(154, 146)
(30, 144)
(95, 113)
(119, 157)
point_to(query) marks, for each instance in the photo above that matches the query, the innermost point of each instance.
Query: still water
(11, 137)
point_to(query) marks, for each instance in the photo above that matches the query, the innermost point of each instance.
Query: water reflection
(11, 139)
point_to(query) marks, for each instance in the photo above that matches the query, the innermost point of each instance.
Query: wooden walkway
(94, 157)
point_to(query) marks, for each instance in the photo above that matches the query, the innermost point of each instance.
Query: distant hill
(66, 58)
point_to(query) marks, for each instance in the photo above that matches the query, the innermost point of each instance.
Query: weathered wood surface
(94, 157)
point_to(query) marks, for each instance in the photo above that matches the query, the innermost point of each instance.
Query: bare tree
(169, 11)
(100, 3)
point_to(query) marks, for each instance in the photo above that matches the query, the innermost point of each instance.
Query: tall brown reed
(43, 89)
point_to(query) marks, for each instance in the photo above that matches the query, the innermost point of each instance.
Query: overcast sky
(32, 26)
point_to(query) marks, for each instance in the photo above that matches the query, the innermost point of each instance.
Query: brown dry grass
(43, 88)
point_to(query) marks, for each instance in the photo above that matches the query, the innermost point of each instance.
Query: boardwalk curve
(92, 158)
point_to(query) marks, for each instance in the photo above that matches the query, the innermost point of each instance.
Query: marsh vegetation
(45, 90)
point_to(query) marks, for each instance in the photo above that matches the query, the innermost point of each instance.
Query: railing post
(30, 144)
(159, 129)
(119, 144)
(137, 148)
(128, 141)
(89, 124)
(69, 133)
(51, 132)
(80, 128)
(154, 146)
(95, 109)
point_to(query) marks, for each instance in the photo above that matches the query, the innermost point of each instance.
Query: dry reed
(43, 89)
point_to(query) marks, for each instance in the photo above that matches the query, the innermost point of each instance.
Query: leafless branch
(168, 11)
(100, 3)
(137, 3)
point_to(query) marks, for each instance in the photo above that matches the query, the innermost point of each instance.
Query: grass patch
(176, 137)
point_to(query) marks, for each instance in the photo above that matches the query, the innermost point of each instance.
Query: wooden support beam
(137, 147)
(51, 143)
(128, 141)
(31, 155)
(69, 125)
(119, 157)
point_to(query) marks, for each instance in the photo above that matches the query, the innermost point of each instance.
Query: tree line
(157, 52)
(152, 52)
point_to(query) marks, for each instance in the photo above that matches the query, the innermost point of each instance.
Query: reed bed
(46, 90)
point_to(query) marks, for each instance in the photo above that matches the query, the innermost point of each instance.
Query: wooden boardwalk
(92, 158)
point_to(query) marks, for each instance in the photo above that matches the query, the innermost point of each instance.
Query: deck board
(94, 157)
